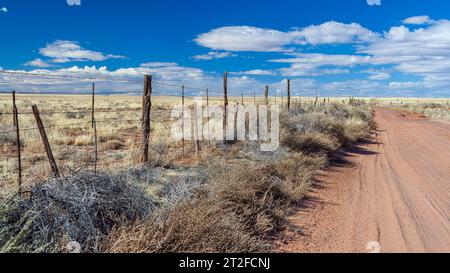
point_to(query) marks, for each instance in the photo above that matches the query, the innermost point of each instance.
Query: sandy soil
(394, 191)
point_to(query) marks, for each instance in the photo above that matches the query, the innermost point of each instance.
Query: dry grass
(198, 226)
(83, 208)
(433, 110)
(234, 199)
(237, 212)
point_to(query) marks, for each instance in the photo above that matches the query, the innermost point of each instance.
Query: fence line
(143, 124)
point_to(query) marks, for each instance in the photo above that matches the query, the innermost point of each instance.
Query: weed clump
(81, 208)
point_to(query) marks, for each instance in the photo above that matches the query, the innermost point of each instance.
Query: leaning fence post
(145, 141)
(19, 157)
(289, 94)
(44, 137)
(93, 105)
(225, 104)
(317, 99)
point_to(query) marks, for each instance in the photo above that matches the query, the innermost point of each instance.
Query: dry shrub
(237, 213)
(83, 207)
(83, 140)
(311, 143)
(261, 196)
(356, 130)
(9, 135)
(190, 227)
(113, 145)
(325, 129)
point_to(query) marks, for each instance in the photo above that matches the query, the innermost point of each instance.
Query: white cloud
(213, 55)
(374, 2)
(247, 38)
(193, 77)
(421, 51)
(377, 75)
(418, 20)
(403, 85)
(159, 64)
(73, 2)
(319, 59)
(334, 33)
(38, 63)
(255, 72)
(317, 64)
(4, 9)
(298, 70)
(244, 38)
(400, 41)
(68, 51)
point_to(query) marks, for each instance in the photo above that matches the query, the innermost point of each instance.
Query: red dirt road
(395, 191)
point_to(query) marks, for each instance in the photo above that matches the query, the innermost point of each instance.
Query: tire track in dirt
(394, 190)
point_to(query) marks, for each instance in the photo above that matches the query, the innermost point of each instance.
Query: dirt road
(395, 191)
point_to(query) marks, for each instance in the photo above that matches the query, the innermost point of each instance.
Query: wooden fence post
(254, 97)
(44, 138)
(145, 141)
(96, 146)
(207, 114)
(317, 99)
(266, 95)
(147, 86)
(19, 157)
(289, 94)
(196, 134)
(14, 104)
(225, 104)
(235, 121)
(93, 105)
(182, 117)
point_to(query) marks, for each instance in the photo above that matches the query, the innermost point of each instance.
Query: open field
(68, 118)
(297, 199)
(233, 198)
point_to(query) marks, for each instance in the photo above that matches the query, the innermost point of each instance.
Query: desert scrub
(436, 111)
(83, 208)
(324, 129)
(189, 227)
(262, 195)
(238, 211)
(8, 135)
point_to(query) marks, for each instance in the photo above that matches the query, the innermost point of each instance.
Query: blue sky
(340, 48)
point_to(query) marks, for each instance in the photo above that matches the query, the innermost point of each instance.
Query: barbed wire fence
(26, 150)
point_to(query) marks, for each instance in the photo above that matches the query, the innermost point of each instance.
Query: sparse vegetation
(433, 110)
(235, 199)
